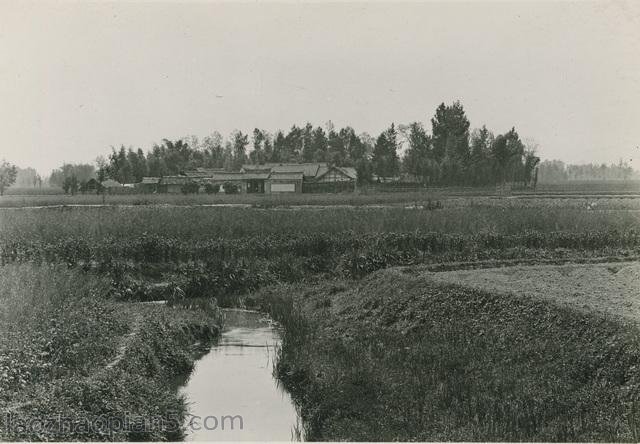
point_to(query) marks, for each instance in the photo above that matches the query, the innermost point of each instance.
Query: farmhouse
(91, 186)
(110, 183)
(266, 178)
(333, 179)
(173, 184)
(111, 186)
(148, 185)
(284, 182)
(302, 177)
(232, 179)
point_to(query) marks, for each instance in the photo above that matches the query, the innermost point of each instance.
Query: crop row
(150, 267)
(158, 249)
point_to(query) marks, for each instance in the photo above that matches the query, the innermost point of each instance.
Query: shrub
(231, 188)
(189, 188)
(212, 188)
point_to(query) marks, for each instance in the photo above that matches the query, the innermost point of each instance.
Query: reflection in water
(232, 394)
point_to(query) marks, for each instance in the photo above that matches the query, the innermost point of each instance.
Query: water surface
(232, 394)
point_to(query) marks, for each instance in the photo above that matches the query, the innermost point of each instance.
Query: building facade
(269, 178)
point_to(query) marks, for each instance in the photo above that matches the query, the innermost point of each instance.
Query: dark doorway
(255, 186)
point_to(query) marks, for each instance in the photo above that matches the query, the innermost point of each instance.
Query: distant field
(459, 216)
(20, 197)
(32, 191)
(264, 200)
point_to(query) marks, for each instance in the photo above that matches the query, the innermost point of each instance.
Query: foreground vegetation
(367, 354)
(74, 364)
(413, 359)
(226, 252)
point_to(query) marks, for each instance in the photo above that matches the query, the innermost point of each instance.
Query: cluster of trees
(8, 173)
(454, 155)
(11, 175)
(558, 171)
(72, 177)
(301, 144)
(28, 178)
(451, 155)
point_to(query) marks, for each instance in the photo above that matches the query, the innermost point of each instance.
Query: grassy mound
(401, 357)
(75, 365)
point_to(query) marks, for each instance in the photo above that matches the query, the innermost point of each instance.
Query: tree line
(557, 171)
(451, 154)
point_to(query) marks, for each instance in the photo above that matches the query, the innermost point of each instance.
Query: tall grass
(229, 251)
(61, 337)
(402, 358)
(207, 223)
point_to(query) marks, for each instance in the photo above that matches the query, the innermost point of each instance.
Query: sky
(78, 78)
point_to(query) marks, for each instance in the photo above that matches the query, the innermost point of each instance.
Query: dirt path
(126, 342)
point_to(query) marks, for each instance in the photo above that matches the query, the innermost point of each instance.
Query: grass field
(412, 356)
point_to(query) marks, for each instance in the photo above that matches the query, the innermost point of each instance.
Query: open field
(532, 351)
(505, 216)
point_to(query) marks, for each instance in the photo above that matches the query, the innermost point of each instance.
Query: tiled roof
(286, 175)
(110, 183)
(175, 180)
(256, 175)
(349, 171)
(222, 176)
(308, 169)
(321, 171)
(286, 171)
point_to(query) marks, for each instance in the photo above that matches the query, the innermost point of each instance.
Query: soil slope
(609, 288)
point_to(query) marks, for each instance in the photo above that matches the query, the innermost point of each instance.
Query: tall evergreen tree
(354, 148)
(319, 142)
(240, 142)
(419, 160)
(385, 154)
(257, 155)
(336, 152)
(450, 122)
(279, 152)
(480, 158)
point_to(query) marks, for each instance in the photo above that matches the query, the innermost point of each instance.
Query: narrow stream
(232, 394)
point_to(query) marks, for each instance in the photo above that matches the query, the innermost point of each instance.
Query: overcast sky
(77, 78)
